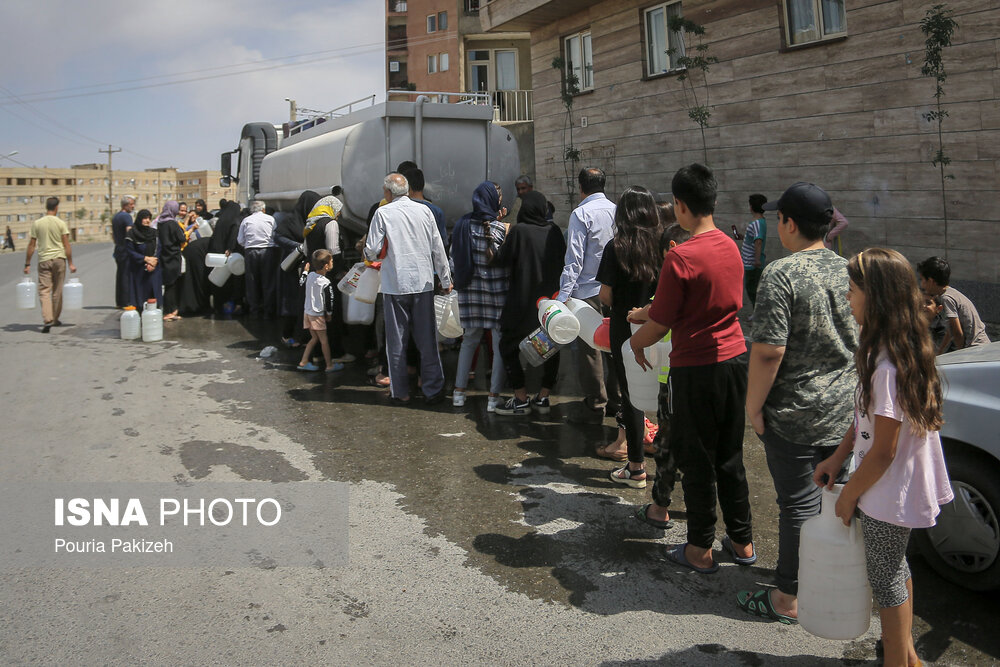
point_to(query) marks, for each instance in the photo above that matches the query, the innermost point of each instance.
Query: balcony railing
(509, 106)
(397, 6)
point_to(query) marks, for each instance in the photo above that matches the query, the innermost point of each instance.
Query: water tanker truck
(456, 145)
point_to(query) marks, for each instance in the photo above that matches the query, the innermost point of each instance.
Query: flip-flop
(602, 451)
(759, 604)
(727, 546)
(641, 515)
(676, 554)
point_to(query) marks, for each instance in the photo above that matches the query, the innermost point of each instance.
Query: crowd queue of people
(841, 365)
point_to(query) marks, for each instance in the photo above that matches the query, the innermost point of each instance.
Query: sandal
(642, 514)
(625, 476)
(727, 546)
(617, 455)
(759, 604)
(676, 555)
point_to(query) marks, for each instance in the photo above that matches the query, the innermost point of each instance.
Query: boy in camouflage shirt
(800, 393)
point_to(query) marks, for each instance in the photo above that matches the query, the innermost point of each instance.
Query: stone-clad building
(828, 91)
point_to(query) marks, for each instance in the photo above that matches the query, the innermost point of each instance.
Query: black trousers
(262, 265)
(707, 419)
(122, 294)
(511, 355)
(666, 464)
(630, 418)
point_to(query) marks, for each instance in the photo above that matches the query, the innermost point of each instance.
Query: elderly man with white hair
(256, 235)
(120, 224)
(404, 235)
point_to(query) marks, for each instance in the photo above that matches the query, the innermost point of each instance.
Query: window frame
(442, 21)
(823, 38)
(432, 23)
(432, 63)
(581, 36)
(647, 45)
(443, 62)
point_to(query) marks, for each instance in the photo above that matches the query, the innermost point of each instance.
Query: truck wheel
(964, 546)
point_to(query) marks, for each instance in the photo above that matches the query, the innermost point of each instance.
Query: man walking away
(256, 235)
(591, 226)
(51, 236)
(120, 224)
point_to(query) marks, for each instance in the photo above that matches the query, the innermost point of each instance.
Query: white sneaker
(491, 403)
(458, 398)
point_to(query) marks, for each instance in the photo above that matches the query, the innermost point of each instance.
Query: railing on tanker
(509, 106)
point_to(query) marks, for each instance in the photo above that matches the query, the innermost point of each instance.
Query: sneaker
(540, 405)
(346, 358)
(458, 398)
(308, 367)
(625, 476)
(512, 406)
(491, 403)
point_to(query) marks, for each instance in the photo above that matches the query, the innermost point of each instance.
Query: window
(663, 45)
(471, 6)
(432, 64)
(579, 62)
(492, 69)
(393, 65)
(432, 23)
(814, 20)
(443, 62)
(442, 20)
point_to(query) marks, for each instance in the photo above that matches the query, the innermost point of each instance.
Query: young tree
(700, 61)
(570, 86)
(938, 27)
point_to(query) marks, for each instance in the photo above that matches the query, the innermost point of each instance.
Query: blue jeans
(470, 341)
(792, 466)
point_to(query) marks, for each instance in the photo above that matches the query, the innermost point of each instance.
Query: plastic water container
(152, 322)
(446, 313)
(589, 319)
(644, 384)
(214, 259)
(368, 284)
(291, 263)
(349, 283)
(219, 275)
(537, 347)
(557, 321)
(236, 264)
(130, 323)
(358, 312)
(602, 336)
(73, 294)
(835, 600)
(27, 294)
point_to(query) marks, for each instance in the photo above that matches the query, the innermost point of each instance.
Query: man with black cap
(801, 381)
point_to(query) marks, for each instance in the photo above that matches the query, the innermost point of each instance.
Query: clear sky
(76, 75)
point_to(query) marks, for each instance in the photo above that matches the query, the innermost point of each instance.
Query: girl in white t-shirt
(900, 480)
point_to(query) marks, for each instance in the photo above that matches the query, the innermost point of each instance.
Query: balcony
(397, 6)
(509, 106)
(527, 15)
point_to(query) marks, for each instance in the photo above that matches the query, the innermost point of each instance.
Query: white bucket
(214, 259)
(73, 294)
(27, 294)
(219, 275)
(236, 264)
(358, 312)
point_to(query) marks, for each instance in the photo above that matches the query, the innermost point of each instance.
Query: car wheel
(964, 546)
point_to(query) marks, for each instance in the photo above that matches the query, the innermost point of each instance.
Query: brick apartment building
(83, 194)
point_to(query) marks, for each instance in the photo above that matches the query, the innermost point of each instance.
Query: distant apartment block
(83, 194)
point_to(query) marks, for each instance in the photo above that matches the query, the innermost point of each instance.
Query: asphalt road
(473, 538)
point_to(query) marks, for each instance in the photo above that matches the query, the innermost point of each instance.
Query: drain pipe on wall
(418, 131)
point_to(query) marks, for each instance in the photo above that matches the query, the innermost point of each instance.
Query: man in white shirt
(591, 226)
(413, 250)
(256, 235)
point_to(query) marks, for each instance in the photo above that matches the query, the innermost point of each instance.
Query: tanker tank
(456, 145)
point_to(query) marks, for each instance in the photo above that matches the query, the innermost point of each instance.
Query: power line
(357, 50)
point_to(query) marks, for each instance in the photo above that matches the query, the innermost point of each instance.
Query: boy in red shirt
(698, 295)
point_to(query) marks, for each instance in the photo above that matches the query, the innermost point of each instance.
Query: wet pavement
(474, 537)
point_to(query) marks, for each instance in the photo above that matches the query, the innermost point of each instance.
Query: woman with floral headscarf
(323, 231)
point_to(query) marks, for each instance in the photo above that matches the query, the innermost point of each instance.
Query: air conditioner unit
(393, 66)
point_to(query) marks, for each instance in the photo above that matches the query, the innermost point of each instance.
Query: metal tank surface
(456, 145)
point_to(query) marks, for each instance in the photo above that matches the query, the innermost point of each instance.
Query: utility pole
(111, 201)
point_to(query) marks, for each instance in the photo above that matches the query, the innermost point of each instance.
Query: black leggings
(632, 419)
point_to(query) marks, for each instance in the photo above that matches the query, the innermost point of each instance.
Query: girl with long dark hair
(901, 480)
(628, 273)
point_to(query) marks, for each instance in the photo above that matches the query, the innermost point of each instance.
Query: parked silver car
(964, 546)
